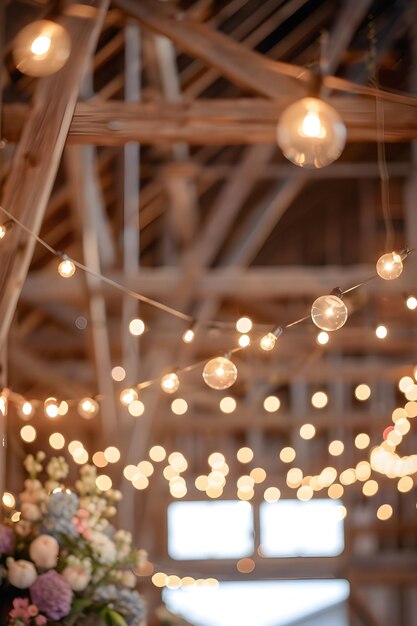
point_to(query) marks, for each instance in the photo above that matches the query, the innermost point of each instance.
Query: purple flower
(6, 539)
(52, 594)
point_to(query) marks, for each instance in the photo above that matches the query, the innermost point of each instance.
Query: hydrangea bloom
(62, 507)
(52, 594)
(127, 602)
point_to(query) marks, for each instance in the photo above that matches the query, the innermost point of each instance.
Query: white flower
(44, 551)
(103, 547)
(128, 579)
(30, 511)
(21, 574)
(77, 573)
(23, 528)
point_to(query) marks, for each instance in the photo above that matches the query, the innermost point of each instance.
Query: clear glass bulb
(41, 48)
(88, 408)
(311, 133)
(51, 407)
(66, 268)
(389, 266)
(268, 341)
(329, 312)
(170, 383)
(220, 373)
(127, 396)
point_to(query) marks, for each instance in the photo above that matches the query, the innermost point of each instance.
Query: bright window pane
(263, 603)
(210, 530)
(293, 528)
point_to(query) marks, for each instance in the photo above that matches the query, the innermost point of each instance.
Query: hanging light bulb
(329, 312)
(51, 407)
(220, 373)
(311, 133)
(127, 396)
(269, 340)
(25, 410)
(389, 266)
(170, 383)
(66, 268)
(41, 48)
(188, 336)
(88, 408)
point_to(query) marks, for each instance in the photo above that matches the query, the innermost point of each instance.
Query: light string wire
(170, 310)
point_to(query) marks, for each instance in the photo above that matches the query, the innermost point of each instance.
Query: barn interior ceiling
(160, 171)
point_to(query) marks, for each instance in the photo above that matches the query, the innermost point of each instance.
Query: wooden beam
(214, 122)
(38, 155)
(259, 282)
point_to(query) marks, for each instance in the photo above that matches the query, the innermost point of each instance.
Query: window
(210, 530)
(290, 528)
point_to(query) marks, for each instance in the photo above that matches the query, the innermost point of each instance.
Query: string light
(41, 48)
(179, 406)
(269, 340)
(137, 327)
(66, 267)
(311, 133)
(362, 392)
(411, 303)
(170, 383)
(188, 336)
(244, 325)
(322, 338)
(319, 399)
(136, 408)
(25, 410)
(51, 408)
(244, 341)
(389, 266)
(307, 431)
(88, 408)
(127, 396)
(28, 433)
(329, 312)
(227, 404)
(381, 331)
(220, 373)
(118, 373)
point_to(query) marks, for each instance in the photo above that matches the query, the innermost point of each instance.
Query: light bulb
(88, 408)
(51, 407)
(389, 266)
(311, 133)
(137, 327)
(3, 231)
(127, 396)
(322, 338)
(381, 331)
(220, 373)
(26, 410)
(66, 268)
(329, 312)
(244, 325)
(244, 341)
(411, 303)
(269, 340)
(170, 383)
(188, 336)
(41, 48)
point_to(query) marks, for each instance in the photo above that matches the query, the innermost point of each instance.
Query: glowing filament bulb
(3, 231)
(40, 45)
(88, 408)
(170, 383)
(329, 312)
(268, 341)
(51, 407)
(389, 266)
(127, 396)
(311, 126)
(220, 373)
(66, 268)
(188, 336)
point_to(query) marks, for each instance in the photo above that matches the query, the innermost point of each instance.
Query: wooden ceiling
(160, 170)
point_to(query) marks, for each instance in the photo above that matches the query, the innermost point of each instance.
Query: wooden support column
(38, 155)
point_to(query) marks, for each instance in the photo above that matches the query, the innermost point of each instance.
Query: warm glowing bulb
(188, 336)
(127, 396)
(307, 431)
(268, 341)
(41, 48)
(227, 404)
(57, 441)
(66, 268)
(244, 341)
(3, 231)
(311, 133)
(411, 303)
(51, 407)
(220, 373)
(272, 404)
(329, 312)
(322, 338)
(381, 332)
(8, 500)
(389, 266)
(136, 327)
(118, 373)
(319, 399)
(244, 325)
(40, 45)
(28, 433)
(363, 392)
(136, 408)
(170, 383)
(26, 410)
(88, 408)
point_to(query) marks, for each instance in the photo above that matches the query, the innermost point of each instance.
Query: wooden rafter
(38, 155)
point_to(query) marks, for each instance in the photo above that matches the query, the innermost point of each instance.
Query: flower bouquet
(61, 560)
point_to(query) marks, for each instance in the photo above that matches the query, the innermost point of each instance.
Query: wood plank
(217, 122)
(38, 155)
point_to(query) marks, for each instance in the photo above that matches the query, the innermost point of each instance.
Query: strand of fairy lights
(329, 313)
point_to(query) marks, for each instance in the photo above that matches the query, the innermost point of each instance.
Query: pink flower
(40, 620)
(22, 610)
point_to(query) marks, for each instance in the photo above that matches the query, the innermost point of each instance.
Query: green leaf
(112, 618)
(79, 604)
